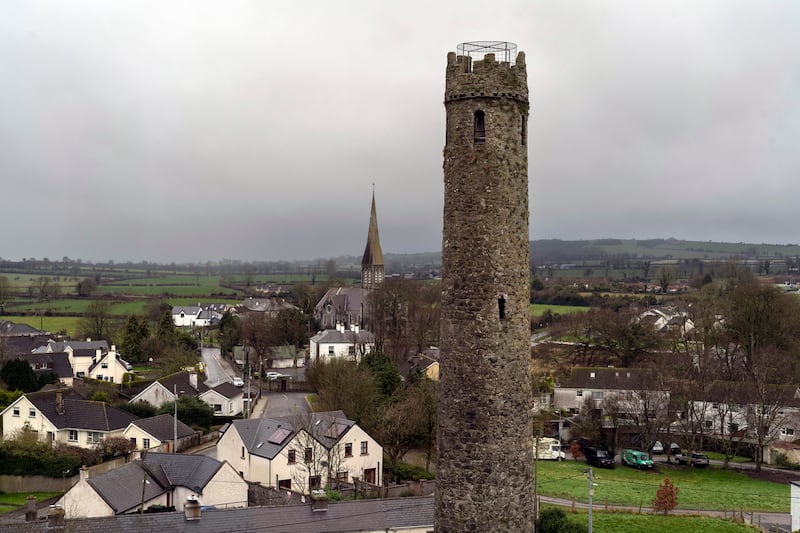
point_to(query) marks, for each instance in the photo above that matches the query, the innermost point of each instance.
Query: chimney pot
(191, 509)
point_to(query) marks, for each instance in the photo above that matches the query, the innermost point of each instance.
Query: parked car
(238, 382)
(272, 376)
(636, 459)
(700, 460)
(598, 457)
(657, 448)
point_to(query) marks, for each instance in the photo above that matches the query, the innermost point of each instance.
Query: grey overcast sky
(199, 130)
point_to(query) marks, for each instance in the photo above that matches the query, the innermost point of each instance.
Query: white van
(549, 449)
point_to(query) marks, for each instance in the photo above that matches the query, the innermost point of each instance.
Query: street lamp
(592, 485)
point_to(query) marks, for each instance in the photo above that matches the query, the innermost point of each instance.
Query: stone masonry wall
(485, 464)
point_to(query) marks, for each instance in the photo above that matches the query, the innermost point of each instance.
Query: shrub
(409, 472)
(555, 521)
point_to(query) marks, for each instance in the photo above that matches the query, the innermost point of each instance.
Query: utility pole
(591, 493)
(174, 422)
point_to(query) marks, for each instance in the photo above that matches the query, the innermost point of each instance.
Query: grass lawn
(538, 309)
(710, 488)
(14, 500)
(716, 456)
(657, 523)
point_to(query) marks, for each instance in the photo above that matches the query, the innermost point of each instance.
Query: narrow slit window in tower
(501, 306)
(524, 130)
(480, 128)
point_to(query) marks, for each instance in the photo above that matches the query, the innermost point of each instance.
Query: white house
(82, 354)
(301, 453)
(157, 433)
(157, 479)
(352, 343)
(226, 399)
(108, 367)
(163, 390)
(63, 416)
(200, 315)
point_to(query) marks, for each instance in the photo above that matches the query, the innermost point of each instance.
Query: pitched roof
(268, 305)
(121, 488)
(373, 255)
(182, 381)
(608, 378)
(12, 329)
(343, 299)
(176, 469)
(162, 427)
(78, 413)
(264, 437)
(334, 336)
(356, 515)
(228, 389)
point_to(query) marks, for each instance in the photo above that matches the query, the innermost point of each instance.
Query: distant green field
(700, 489)
(14, 500)
(538, 309)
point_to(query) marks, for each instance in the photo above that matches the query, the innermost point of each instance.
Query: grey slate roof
(228, 389)
(121, 488)
(50, 363)
(175, 469)
(268, 305)
(181, 379)
(12, 329)
(79, 413)
(358, 515)
(15, 346)
(607, 378)
(334, 336)
(162, 427)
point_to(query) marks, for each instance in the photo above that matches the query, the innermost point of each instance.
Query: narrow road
(215, 372)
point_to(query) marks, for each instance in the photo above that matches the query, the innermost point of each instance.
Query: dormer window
(480, 127)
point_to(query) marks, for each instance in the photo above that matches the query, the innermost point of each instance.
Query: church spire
(372, 267)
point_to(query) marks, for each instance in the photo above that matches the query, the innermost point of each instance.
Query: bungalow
(165, 389)
(200, 315)
(61, 415)
(157, 479)
(225, 398)
(352, 343)
(301, 453)
(158, 433)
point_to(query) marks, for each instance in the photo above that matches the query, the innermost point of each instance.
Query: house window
(32, 413)
(242, 452)
(348, 449)
(103, 365)
(480, 127)
(597, 395)
(330, 350)
(364, 449)
(341, 475)
(314, 482)
(72, 435)
(787, 432)
(285, 484)
(218, 408)
(308, 456)
(16, 411)
(146, 444)
(93, 437)
(579, 394)
(292, 457)
(133, 443)
(708, 424)
(351, 350)
(80, 374)
(370, 475)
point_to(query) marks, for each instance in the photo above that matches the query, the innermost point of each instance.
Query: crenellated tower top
(486, 69)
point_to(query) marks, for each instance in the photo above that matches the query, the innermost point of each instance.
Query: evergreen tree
(19, 375)
(136, 332)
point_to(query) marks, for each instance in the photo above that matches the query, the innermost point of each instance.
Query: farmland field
(538, 309)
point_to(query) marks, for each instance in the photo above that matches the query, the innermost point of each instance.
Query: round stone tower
(485, 437)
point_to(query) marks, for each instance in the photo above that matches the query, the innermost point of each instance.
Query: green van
(636, 459)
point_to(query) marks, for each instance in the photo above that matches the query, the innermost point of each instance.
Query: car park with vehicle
(549, 449)
(238, 382)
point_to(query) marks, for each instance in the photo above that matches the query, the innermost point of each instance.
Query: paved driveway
(284, 404)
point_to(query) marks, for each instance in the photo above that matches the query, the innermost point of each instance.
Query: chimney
(356, 329)
(319, 501)
(59, 402)
(30, 513)
(193, 379)
(55, 518)
(98, 353)
(191, 509)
